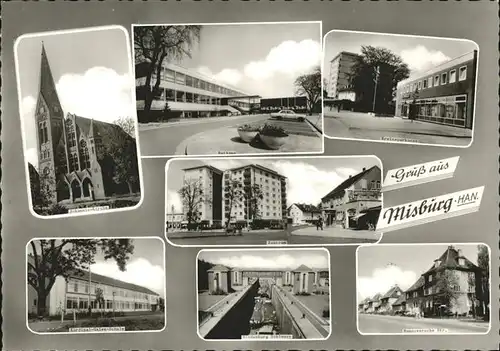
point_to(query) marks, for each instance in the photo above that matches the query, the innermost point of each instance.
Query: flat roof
(203, 166)
(448, 64)
(258, 166)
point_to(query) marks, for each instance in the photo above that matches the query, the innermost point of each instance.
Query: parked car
(287, 114)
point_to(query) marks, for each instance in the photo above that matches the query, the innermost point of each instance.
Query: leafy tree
(122, 159)
(155, 44)
(52, 258)
(309, 85)
(203, 268)
(161, 304)
(234, 195)
(447, 285)
(377, 66)
(483, 261)
(193, 195)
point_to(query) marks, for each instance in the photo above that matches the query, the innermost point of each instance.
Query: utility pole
(377, 74)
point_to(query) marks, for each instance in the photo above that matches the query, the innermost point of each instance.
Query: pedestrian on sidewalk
(412, 113)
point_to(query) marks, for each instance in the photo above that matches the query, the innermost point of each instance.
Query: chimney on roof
(460, 253)
(350, 176)
(364, 169)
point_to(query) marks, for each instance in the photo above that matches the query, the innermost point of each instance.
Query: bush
(218, 292)
(303, 293)
(301, 119)
(249, 128)
(326, 313)
(273, 131)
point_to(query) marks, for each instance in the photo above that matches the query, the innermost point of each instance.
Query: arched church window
(85, 154)
(46, 171)
(45, 132)
(40, 133)
(73, 162)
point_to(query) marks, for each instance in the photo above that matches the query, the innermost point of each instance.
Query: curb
(314, 127)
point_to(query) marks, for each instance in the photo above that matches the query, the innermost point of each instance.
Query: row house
(388, 299)
(348, 203)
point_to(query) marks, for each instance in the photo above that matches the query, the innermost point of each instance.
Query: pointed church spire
(47, 84)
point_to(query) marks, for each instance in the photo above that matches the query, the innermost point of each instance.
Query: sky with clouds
(268, 259)
(322, 174)
(92, 72)
(419, 53)
(145, 267)
(381, 267)
(262, 59)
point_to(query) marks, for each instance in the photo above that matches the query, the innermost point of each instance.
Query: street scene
(264, 294)
(95, 285)
(265, 201)
(262, 95)
(79, 121)
(441, 289)
(399, 88)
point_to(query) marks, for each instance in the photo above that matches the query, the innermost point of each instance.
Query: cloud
(227, 75)
(280, 262)
(420, 58)
(99, 93)
(28, 105)
(289, 57)
(274, 74)
(318, 184)
(173, 199)
(31, 156)
(139, 271)
(382, 279)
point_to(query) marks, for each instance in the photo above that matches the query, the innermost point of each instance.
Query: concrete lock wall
(236, 322)
(285, 320)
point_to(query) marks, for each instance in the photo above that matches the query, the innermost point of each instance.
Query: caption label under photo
(430, 209)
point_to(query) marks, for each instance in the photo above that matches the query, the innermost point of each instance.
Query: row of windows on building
(83, 304)
(169, 75)
(83, 287)
(437, 80)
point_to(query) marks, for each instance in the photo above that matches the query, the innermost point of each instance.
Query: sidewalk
(444, 321)
(337, 232)
(364, 121)
(316, 121)
(226, 141)
(187, 121)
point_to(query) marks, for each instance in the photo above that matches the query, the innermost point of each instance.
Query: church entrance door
(76, 190)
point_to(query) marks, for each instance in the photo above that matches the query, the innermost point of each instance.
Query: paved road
(395, 324)
(362, 126)
(261, 238)
(163, 141)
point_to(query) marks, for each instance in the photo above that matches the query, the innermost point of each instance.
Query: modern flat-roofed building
(271, 207)
(208, 179)
(444, 94)
(192, 94)
(348, 201)
(78, 291)
(340, 69)
(296, 103)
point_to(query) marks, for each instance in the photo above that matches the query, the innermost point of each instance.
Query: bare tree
(234, 195)
(154, 44)
(309, 85)
(254, 194)
(127, 124)
(193, 195)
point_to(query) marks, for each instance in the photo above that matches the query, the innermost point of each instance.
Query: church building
(74, 164)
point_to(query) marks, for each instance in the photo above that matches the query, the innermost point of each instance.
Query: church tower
(49, 119)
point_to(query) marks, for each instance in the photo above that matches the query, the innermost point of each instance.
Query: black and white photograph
(400, 88)
(270, 201)
(423, 289)
(95, 285)
(78, 121)
(276, 294)
(230, 88)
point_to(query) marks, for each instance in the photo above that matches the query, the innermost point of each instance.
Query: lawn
(129, 324)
